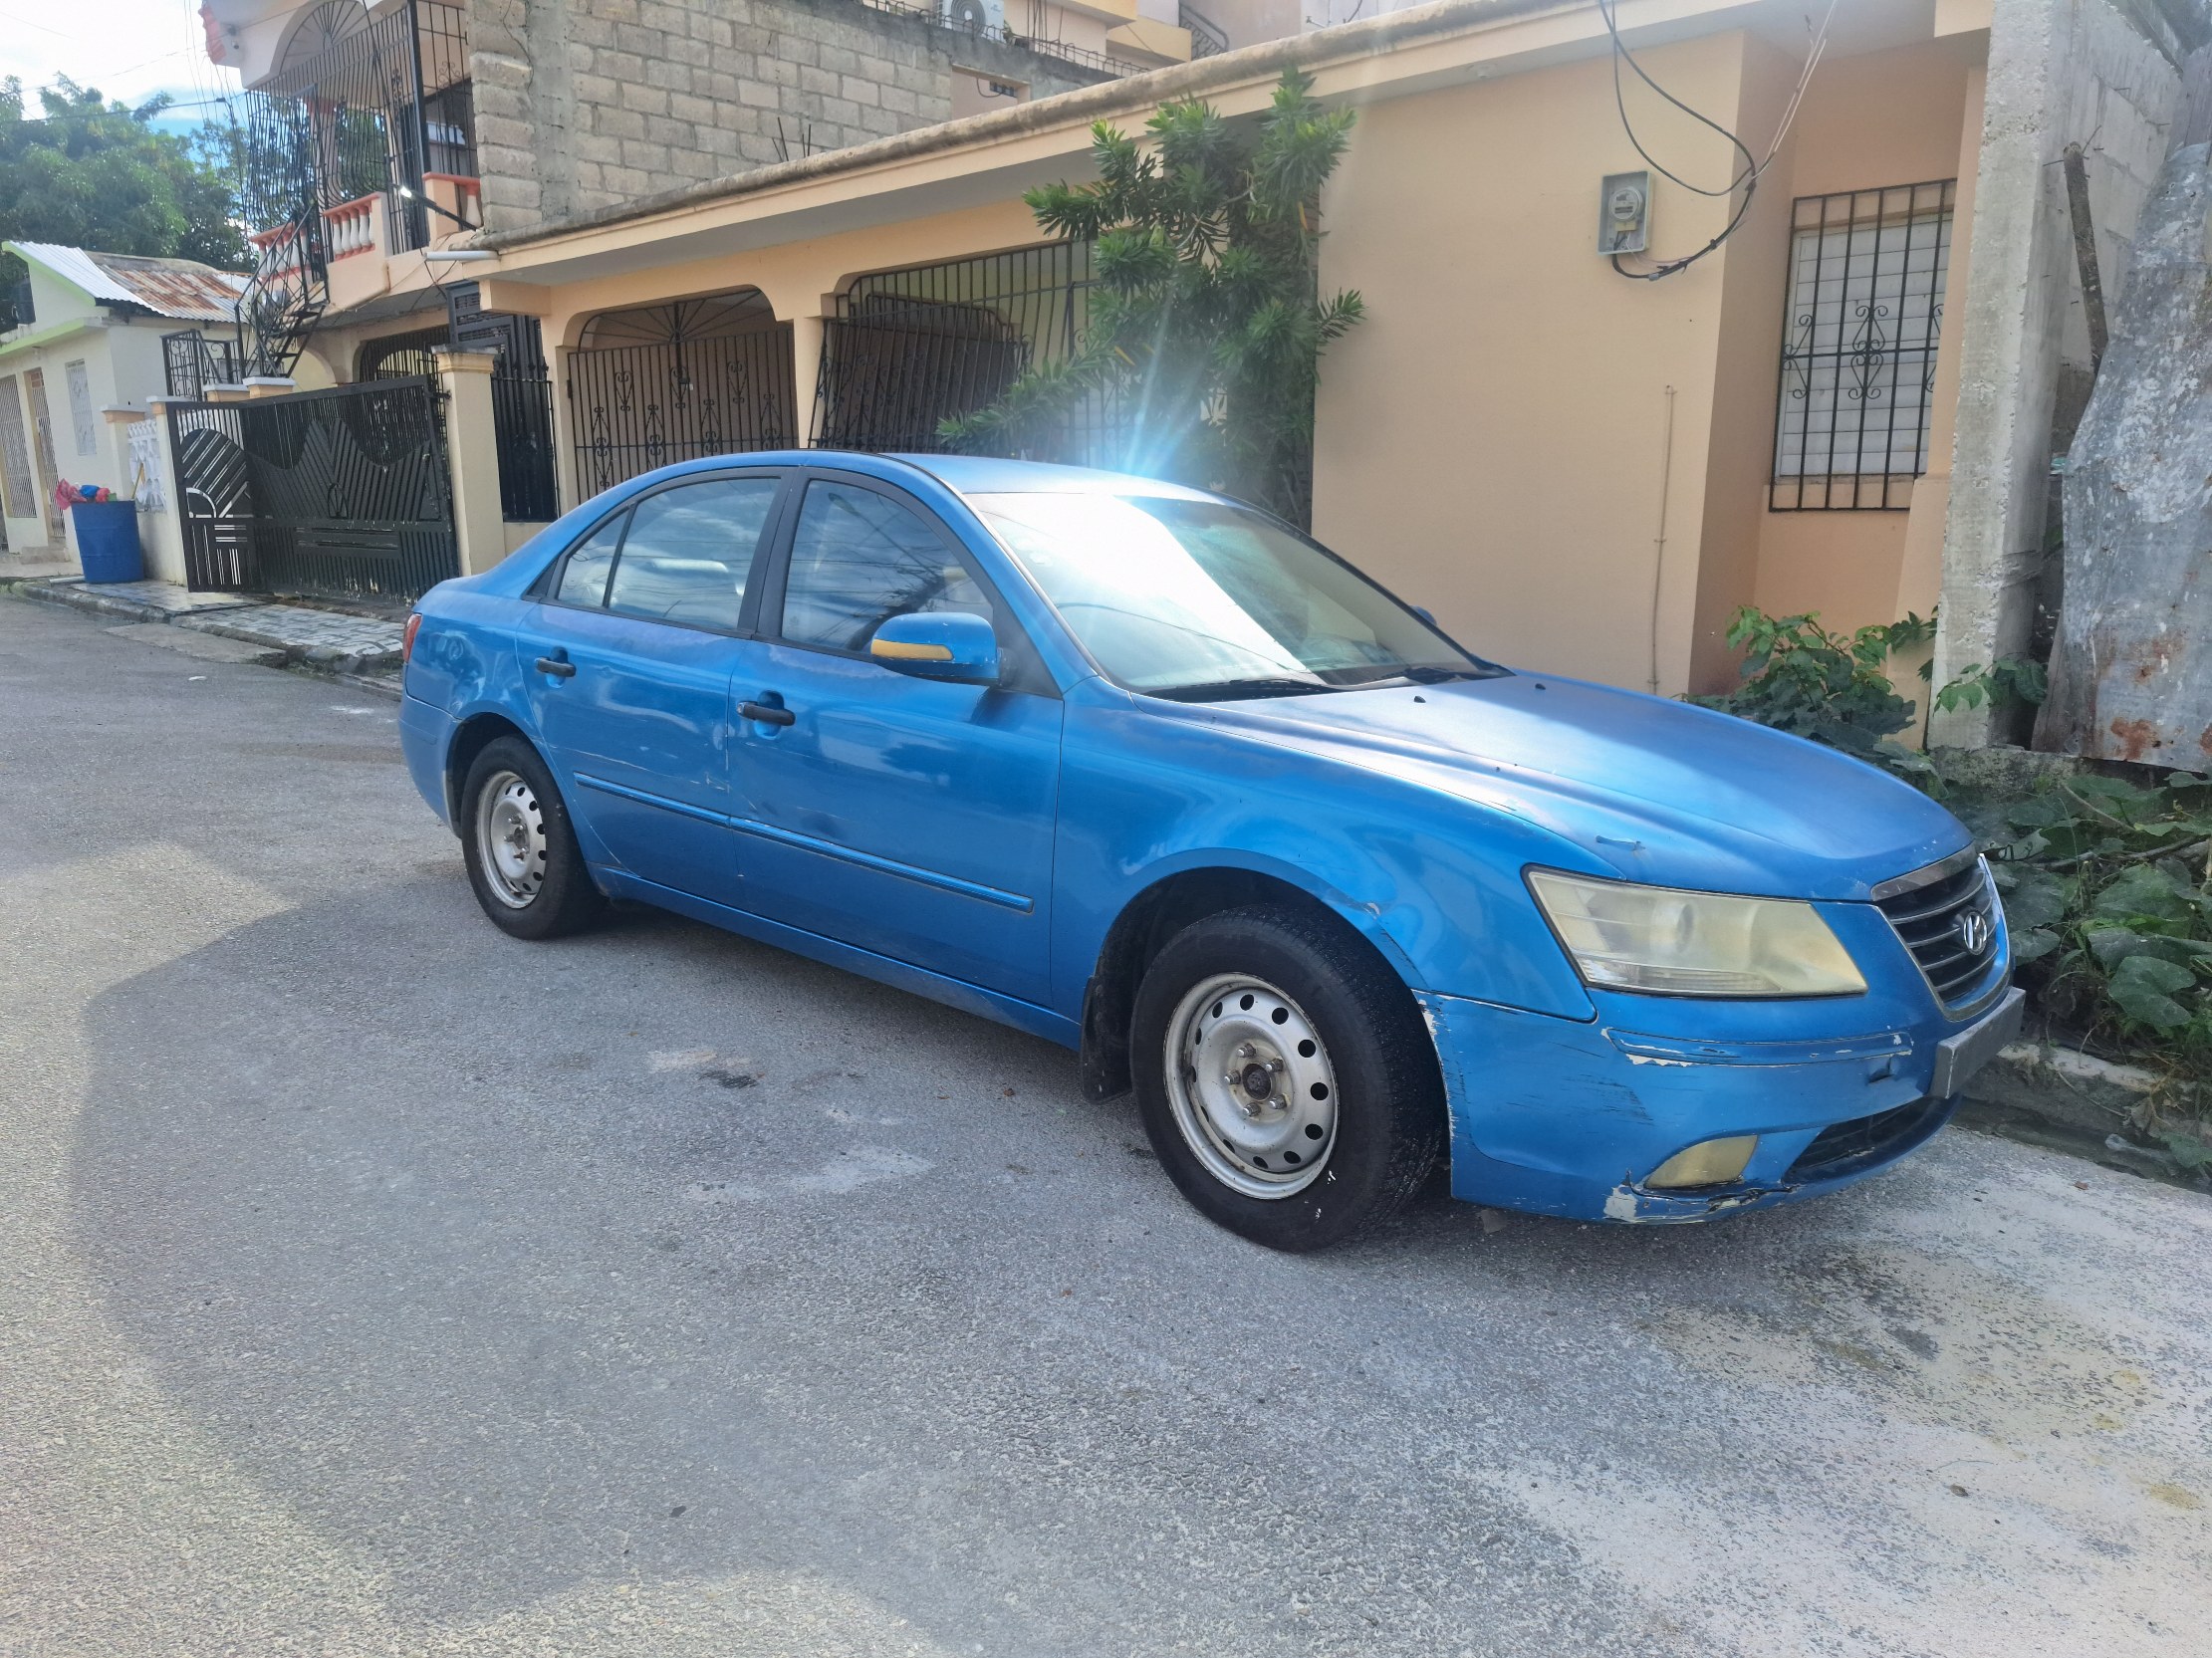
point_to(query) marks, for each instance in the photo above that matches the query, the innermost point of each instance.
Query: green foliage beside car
(1801, 678)
(2109, 899)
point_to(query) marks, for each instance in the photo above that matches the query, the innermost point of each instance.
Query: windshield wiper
(1229, 690)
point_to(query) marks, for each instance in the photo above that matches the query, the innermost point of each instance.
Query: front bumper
(1569, 1117)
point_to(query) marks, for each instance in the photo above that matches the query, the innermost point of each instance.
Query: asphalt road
(372, 1283)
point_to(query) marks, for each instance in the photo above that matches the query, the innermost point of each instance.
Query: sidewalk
(362, 650)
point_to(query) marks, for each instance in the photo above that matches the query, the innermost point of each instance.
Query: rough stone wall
(2060, 72)
(2131, 674)
(587, 104)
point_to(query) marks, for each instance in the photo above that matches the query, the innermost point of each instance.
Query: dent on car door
(907, 816)
(627, 657)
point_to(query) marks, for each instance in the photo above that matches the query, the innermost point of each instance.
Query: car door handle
(557, 667)
(767, 713)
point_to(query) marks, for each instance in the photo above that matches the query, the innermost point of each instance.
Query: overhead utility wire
(1747, 180)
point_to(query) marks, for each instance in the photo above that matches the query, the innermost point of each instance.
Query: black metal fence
(192, 363)
(679, 381)
(341, 493)
(909, 350)
(401, 356)
(1866, 276)
(522, 403)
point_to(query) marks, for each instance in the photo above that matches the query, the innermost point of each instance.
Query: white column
(805, 366)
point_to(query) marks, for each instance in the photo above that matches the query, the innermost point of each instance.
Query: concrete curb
(369, 670)
(327, 659)
(74, 598)
(2087, 1105)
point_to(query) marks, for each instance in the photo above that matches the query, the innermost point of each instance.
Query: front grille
(1845, 1147)
(1947, 916)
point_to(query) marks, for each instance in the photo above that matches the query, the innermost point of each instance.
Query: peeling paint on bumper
(1567, 1117)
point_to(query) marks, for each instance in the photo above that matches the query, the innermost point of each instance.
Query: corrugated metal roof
(180, 287)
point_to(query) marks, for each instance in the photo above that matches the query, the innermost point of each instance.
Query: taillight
(406, 639)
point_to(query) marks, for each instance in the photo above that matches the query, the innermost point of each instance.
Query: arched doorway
(679, 381)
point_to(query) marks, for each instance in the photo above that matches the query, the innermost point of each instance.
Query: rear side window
(859, 559)
(584, 577)
(690, 551)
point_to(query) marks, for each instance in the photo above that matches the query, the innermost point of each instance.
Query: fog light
(1710, 1163)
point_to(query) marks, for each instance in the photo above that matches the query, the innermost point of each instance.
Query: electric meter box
(1625, 212)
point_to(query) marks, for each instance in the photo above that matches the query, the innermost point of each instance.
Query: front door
(910, 817)
(42, 450)
(629, 656)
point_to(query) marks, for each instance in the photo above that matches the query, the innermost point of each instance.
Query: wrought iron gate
(341, 493)
(522, 403)
(681, 382)
(908, 349)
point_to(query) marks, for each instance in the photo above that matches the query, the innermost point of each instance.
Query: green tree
(1207, 328)
(90, 173)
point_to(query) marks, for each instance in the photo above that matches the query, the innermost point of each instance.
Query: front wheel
(522, 855)
(1284, 1078)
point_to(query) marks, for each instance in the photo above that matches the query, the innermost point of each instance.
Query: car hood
(1647, 789)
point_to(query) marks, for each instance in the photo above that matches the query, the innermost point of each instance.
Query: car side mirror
(955, 646)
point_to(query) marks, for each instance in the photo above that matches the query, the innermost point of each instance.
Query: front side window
(689, 552)
(1200, 599)
(857, 559)
(1866, 276)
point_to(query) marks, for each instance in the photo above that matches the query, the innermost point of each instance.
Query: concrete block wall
(587, 104)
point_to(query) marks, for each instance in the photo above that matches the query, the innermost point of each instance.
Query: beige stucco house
(76, 376)
(1848, 404)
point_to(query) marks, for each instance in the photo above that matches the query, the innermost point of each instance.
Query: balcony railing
(351, 227)
(384, 110)
(1206, 36)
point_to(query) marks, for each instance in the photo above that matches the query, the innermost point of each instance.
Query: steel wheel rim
(511, 839)
(1251, 1088)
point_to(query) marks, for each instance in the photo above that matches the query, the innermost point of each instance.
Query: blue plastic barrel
(108, 540)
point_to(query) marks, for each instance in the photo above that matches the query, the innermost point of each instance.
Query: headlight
(1668, 942)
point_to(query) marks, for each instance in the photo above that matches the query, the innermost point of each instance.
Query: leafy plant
(1801, 678)
(2108, 889)
(1206, 325)
(2010, 681)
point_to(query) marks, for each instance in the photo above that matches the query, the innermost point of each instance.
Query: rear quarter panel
(463, 665)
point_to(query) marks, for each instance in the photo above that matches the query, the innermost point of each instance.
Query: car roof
(988, 475)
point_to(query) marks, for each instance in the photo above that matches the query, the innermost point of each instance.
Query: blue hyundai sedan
(1150, 773)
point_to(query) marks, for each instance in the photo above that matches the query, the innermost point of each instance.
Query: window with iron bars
(1866, 276)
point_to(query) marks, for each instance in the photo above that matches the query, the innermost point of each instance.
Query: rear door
(909, 816)
(628, 653)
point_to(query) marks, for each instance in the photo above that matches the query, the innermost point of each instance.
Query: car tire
(523, 860)
(1285, 1079)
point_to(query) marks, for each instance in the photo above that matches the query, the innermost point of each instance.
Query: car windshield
(1199, 599)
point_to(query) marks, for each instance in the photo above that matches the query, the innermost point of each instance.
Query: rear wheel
(1284, 1078)
(522, 856)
